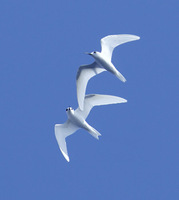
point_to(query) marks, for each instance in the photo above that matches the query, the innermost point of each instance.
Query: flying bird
(102, 63)
(77, 119)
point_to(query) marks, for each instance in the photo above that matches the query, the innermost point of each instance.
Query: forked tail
(93, 131)
(120, 76)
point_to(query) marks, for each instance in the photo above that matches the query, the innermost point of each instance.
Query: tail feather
(120, 76)
(93, 132)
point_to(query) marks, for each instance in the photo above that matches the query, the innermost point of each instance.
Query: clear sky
(42, 44)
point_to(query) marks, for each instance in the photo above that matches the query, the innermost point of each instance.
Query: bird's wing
(109, 42)
(61, 132)
(84, 73)
(92, 100)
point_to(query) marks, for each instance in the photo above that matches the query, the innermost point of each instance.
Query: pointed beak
(87, 53)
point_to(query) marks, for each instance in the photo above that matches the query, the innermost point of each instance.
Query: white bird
(102, 63)
(76, 119)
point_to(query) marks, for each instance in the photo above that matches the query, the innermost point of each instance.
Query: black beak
(87, 53)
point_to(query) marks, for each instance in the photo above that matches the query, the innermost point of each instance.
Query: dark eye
(94, 51)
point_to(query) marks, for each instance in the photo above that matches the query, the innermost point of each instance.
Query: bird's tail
(93, 132)
(120, 76)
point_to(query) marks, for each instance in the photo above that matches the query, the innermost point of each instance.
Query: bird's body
(80, 122)
(106, 64)
(74, 118)
(102, 63)
(77, 119)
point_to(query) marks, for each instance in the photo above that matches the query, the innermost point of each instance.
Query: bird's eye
(94, 51)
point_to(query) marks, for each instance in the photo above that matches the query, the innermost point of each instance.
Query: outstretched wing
(84, 73)
(61, 132)
(109, 42)
(92, 100)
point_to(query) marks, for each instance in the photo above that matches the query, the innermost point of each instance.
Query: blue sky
(42, 44)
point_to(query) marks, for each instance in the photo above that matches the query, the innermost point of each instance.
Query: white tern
(102, 63)
(77, 119)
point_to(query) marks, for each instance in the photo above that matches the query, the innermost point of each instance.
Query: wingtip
(138, 38)
(135, 37)
(65, 155)
(121, 100)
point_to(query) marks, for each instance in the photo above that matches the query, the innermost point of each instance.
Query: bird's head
(69, 109)
(93, 53)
